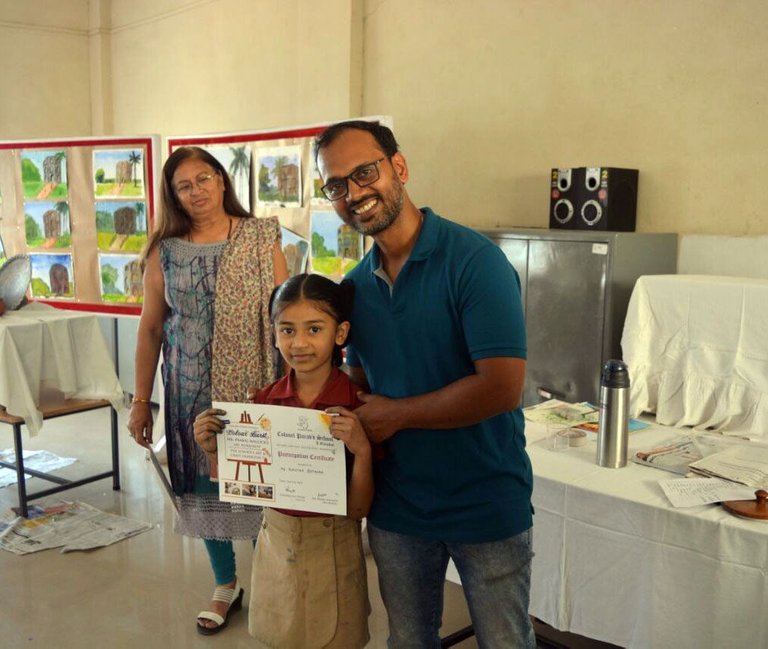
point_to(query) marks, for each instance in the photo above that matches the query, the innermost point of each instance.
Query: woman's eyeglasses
(201, 182)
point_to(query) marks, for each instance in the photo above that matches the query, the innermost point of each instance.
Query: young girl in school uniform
(308, 585)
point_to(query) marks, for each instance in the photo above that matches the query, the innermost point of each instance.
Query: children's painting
(118, 173)
(46, 224)
(279, 176)
(121, 279)
(296, 251)
(44, 174)
(52, 276)
(237, 161)
(336, 247)
(121, 226)
(318, 198)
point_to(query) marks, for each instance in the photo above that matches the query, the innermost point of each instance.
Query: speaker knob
(563, 210)
(563, 179)
(591, 212)
(592, 178)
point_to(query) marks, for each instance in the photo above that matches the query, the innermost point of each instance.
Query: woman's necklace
(229, 231)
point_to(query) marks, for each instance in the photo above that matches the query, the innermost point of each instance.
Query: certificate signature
(278, 456)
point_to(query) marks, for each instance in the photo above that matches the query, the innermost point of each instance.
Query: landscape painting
(336, 247)
(279, 182)
(296, 251)
(121, 226)
(52, 276)
(118, 173)
(121, 279)
(44, 174)
(237, 161)
(46, 224)
(318, 198)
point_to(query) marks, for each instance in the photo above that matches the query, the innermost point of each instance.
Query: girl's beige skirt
(309, 588)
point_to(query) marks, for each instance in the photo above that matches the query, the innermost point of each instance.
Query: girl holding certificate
(308, 585)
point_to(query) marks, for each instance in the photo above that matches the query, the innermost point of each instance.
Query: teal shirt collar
(425, 244)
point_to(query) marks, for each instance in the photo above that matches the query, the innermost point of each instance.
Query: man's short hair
(382, 134)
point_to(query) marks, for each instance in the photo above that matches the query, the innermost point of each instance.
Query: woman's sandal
(232, 597)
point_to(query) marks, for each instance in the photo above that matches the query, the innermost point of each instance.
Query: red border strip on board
(240, 137)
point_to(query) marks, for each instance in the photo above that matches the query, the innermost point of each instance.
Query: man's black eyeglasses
(363, 176)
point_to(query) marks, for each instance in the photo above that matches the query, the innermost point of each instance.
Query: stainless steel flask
(613, 426)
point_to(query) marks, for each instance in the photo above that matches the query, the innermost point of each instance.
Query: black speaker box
(593, 198)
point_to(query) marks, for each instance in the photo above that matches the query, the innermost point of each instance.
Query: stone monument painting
(118, 173)
(121, 278)
(46, 224)
(121, 226)
(52, 275)
(44, 174)
(336, 248)
(296, 251)
(279, 175)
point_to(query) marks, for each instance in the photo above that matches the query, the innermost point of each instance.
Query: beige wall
(187, 67)
(44, 82)
(486, 95)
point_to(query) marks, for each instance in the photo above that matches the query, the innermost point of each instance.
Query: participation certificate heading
(278, 456)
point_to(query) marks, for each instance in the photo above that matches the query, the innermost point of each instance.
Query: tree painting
(280, 176)
(236, 160)
(336, 248)
(120, 278)
(134, 157)
(239, 171)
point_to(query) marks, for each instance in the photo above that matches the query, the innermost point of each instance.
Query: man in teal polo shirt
(438, 338)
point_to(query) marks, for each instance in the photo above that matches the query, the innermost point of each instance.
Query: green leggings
(222, 557)
(220, 553)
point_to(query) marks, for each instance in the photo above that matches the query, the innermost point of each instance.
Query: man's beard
(392, 205)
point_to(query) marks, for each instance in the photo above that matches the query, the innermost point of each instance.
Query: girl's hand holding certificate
(346, 426)
(207, 425)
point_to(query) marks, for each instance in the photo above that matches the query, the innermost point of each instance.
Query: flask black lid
(615, 374)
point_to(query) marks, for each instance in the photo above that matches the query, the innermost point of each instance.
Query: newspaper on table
(68, 525)
(674, 454)
(746, 464)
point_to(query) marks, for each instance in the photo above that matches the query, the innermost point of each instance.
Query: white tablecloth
(697, 351)
(45, 348)
(616, 562)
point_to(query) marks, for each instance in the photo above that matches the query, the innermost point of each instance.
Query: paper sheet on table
(690, 492)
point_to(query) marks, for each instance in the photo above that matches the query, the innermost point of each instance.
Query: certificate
(277, 456)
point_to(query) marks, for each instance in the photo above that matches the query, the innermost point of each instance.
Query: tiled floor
(143, 592)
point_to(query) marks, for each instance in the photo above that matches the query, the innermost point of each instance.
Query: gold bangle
(139, 400)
